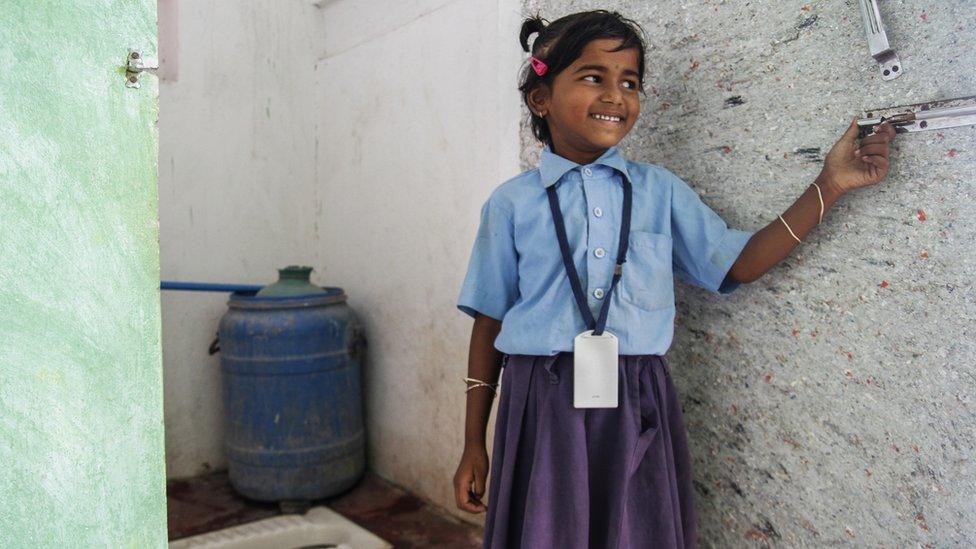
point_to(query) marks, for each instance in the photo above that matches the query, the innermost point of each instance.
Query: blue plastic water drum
(292, 395)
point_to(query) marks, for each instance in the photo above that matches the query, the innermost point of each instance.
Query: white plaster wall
(358, 136)
(237, 180)
(418, 123)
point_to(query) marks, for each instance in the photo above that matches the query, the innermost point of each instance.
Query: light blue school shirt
(516, 272)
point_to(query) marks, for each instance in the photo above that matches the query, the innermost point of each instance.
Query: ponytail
(530, 26)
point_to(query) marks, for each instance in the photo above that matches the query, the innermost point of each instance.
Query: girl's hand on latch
(850, 165)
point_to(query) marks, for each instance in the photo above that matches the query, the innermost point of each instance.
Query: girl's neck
(580, 157)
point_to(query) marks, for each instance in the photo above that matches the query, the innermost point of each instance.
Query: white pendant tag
(595, 375)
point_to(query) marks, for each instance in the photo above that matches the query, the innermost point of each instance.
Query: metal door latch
(934, 115)
(881, 50)
(135, 65)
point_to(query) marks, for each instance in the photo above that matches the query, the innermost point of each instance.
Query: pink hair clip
(539, 66)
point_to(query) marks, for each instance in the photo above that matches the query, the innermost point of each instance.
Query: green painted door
(81, 415)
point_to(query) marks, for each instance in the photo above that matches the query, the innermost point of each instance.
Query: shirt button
(599, 253)
(598, 293)
(587, 171)
(598, 211)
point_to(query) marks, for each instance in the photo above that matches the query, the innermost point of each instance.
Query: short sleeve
(491, 284)
(704, 247)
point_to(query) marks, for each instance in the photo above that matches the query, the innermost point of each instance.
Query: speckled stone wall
(831, 402)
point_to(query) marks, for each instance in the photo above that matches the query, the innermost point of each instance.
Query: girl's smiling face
(593, 103)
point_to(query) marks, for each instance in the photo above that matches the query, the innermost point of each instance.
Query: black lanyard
(574, 280)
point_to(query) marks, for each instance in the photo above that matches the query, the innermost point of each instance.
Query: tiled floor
(208, 503)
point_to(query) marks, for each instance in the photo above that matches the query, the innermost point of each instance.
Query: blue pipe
(207, 287)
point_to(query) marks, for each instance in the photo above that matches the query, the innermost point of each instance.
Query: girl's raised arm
(847, 166)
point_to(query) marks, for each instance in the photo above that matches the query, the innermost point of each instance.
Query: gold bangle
(479, 383)
(820, 196)
(791, 230)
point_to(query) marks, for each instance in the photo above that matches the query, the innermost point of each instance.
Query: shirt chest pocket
(648, 281)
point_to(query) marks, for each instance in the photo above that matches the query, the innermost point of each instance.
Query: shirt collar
(553, 167)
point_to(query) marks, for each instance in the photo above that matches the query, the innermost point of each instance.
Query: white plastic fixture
(320, 527)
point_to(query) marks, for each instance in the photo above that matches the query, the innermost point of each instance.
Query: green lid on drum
(293, 281)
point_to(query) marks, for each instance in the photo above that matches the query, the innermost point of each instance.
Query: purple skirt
(589, 478)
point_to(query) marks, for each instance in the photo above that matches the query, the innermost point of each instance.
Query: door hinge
(881, 50)
(933, 115)
(135, 65)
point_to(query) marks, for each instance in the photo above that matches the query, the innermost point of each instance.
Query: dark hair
(561, 42)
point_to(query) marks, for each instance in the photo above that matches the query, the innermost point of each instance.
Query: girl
(571, 288)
